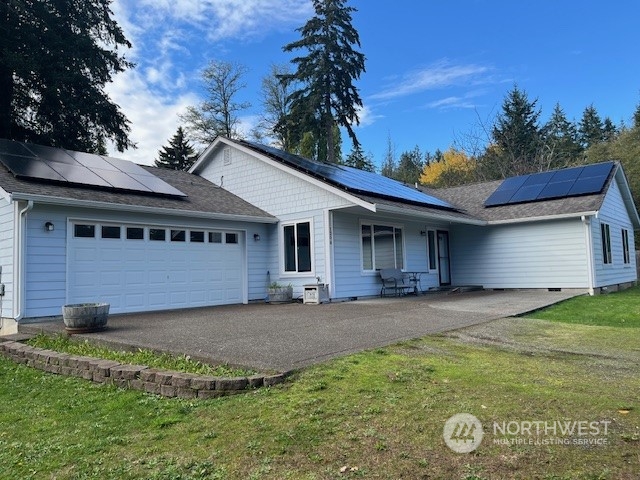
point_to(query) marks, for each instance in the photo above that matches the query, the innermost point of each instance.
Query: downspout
(18, 262)
(589, 244)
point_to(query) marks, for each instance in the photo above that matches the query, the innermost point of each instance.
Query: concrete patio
(290, 336)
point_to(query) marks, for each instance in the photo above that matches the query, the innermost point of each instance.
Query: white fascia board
(70, 202)
(4, 194)
(625, 191)
(542, 218)
(429, 216)
(285, 168)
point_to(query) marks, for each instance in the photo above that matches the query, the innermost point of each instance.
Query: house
(78, 228)
(568, 229)
(148, 239)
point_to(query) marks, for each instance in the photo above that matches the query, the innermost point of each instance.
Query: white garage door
(141, 268)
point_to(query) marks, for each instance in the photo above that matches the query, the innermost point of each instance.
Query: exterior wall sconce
(49, 227)
(256, 237)
(423, 233)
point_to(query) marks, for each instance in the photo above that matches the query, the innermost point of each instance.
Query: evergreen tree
(561, 139)
(358, 159)
(275, 122)
(218, 114)
(590, 128)
(516, 137)
(178, 155)
(409, 166)
(56, 56)
(389, 162)
(609, 130)
(326, 75)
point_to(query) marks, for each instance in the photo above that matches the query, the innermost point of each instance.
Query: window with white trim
(382, 247)
(297, 247)
(432, 250)
(625, 246)
(606, 243)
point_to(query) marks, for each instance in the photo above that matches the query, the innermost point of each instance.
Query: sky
(436, 74)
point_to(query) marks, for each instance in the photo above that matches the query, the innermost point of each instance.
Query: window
(84, 231)
(431, 246)
(178, 236)
(135, 233)
(625, 246)
(382, 247)
(157, 234)
(110, 231)
(196, 237)
(297, 247)
(606, 243)
(215, 237)
(230, 238)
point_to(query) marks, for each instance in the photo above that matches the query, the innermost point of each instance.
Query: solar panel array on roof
(353, 179)
(58, 165)
(569, 182)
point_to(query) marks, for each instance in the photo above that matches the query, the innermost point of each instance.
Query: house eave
(428, 216)
(542, 218)
(45, 199)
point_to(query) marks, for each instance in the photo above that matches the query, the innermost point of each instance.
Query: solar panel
(353, 179)
(58, 165)
(569, 182)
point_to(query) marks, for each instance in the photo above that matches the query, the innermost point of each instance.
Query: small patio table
(414, 279)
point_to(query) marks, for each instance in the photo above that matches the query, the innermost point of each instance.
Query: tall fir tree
(178, 155)
(358, 159)
(327, 73)
(561, 139)
(590, 128)
(516, 138)
(56, 56)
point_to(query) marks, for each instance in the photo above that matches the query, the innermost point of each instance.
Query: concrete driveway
(287, 337)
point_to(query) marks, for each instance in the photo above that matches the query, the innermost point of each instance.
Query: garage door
(140, 268)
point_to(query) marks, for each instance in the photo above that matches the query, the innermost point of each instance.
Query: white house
(77, 228)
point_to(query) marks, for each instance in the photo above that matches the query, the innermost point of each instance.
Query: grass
(377, 414)
(619, 309)
(181, 363)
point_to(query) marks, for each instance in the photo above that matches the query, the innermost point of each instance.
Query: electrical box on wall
(316, 293)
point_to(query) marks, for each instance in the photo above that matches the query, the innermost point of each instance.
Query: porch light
(256, 237)
(423, 233)
(49, 227)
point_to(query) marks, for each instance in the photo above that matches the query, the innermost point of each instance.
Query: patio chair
(396, 280)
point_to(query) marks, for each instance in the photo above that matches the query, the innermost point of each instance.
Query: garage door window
(84, 231)
(157, 234)
(231, 238)
(135, 233)
(196, 237)
(110, 231)
(215, 237)
(178, 236)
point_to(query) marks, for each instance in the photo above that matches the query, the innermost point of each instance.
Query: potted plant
(277, 293)
(85, 317)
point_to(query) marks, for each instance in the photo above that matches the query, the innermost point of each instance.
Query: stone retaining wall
(137, 377)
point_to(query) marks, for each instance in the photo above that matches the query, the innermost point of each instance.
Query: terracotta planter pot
(85, 317)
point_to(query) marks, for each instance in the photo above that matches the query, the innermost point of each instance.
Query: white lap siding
(550, 254)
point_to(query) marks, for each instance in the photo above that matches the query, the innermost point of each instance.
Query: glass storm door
(444, 269)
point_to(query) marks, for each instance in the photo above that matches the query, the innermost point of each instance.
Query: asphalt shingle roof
(202, 195)
(471, 198)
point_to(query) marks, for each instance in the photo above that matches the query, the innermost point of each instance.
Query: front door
(444, 268)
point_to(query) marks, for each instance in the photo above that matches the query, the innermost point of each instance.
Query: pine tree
(358, 159)
(178, 155)
(591, 128)
(561, 139)
(55, 59)
(326, 74)
(516, 138)
(409, 166)
(389, 162)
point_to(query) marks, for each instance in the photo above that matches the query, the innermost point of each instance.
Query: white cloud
(154, 118)
(439, 75)
(366, 116)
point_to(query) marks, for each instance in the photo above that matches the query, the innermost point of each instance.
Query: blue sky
(435, 71)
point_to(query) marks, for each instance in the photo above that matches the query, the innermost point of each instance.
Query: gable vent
(227, 156)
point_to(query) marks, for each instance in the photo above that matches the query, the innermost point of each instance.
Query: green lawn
(380, 414)
(620, 309)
